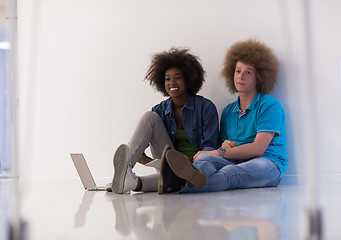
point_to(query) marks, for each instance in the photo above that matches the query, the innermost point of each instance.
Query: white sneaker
(124, 179)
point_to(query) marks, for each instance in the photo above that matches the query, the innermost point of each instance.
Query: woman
(252, 131)
(185, 121)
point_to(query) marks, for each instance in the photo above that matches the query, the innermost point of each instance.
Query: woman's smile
(175, 83)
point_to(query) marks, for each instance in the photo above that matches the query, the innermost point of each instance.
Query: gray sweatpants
(150, 131)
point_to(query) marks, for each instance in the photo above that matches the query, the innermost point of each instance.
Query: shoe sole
(183, 168)
(121, 166)
(160, 182)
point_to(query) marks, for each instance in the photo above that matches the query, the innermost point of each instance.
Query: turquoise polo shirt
(264, 114)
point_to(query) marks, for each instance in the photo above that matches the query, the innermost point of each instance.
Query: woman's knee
(150, 116)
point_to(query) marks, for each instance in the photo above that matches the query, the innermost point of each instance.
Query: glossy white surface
(63, 210)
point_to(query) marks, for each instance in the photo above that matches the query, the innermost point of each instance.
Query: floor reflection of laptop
(84, 173)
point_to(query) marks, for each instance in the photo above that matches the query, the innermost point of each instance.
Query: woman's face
(245, 78)
(175, 83)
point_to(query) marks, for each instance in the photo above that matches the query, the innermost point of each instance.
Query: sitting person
(185, 121)
(252, 132)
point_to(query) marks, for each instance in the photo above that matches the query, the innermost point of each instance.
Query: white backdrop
(82, 65)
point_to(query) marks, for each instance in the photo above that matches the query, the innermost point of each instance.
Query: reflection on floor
(203, 216)
(65, 211)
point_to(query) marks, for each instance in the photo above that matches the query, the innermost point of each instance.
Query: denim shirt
(200, 121)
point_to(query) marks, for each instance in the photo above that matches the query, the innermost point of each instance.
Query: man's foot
(168, 181)
(124, 179)
(183, 168)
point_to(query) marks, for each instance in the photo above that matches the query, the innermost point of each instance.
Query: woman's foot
(124, 179)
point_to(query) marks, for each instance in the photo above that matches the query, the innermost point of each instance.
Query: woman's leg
(149, 131)
(150, 182)
(257, 172)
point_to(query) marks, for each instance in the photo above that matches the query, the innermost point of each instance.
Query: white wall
(82, 65)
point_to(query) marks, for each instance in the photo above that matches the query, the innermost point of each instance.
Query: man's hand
(228, 144)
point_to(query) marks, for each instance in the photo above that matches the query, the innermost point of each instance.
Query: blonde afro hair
(257, 54)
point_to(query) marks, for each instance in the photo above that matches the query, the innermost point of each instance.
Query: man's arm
(246, 151)
(250, 150)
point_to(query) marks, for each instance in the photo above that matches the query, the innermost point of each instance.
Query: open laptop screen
(83, 170)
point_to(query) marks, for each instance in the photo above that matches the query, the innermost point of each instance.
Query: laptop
(84, 173)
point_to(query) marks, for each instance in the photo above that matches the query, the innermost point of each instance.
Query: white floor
(63, 210)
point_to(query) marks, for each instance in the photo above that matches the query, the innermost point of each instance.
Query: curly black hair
(257, 54)
(181, 58)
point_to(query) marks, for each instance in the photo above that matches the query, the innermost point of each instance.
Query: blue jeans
(223, 174)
